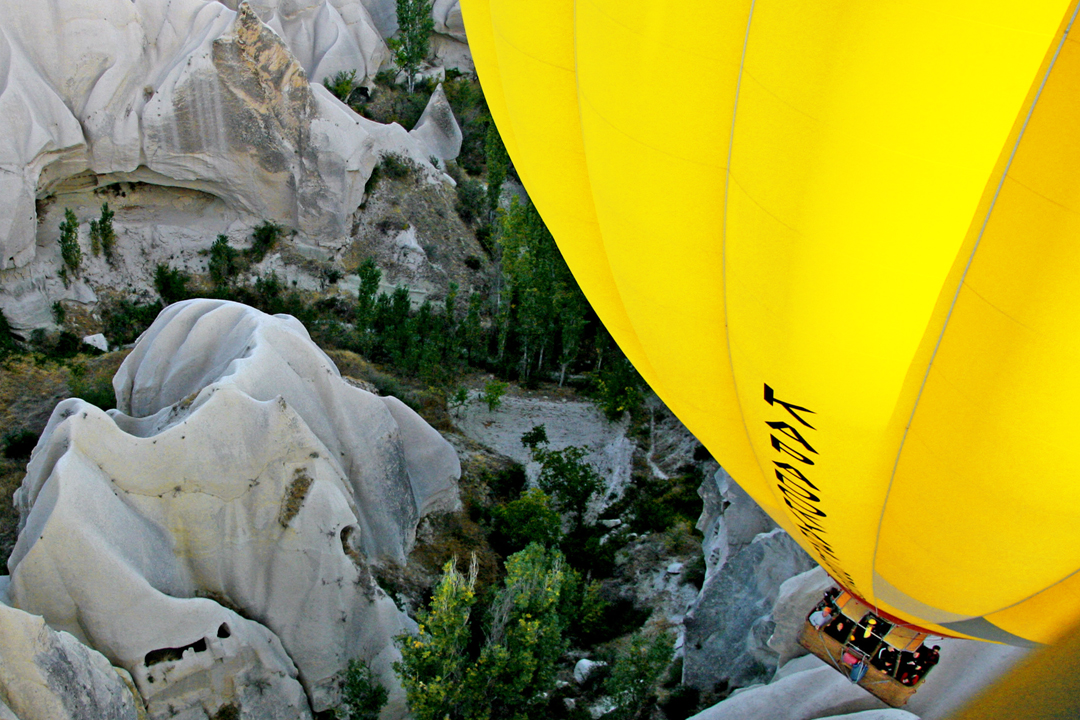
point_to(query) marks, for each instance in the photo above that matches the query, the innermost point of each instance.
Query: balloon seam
(960, 286)
(723, 226)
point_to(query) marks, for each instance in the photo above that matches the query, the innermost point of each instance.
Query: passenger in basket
(885, 659)
(839, 629)
(821, 617)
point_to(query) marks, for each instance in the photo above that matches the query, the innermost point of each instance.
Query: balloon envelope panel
(840, 241)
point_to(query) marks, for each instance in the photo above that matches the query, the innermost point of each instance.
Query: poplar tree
(415, 26)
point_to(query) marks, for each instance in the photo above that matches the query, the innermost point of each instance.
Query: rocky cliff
(232, 511)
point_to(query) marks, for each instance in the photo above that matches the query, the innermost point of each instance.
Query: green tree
(564, 474)
(70, 252)
(514, 671)
(635, 672)
(222, 265)
(366, 300)
(516, 668)
(362, 697)
(342, 84)
(410, 46)
(529, 519)
(171, 284)
(492, 394)
(434, 660)
(102, 234)
(498, 165)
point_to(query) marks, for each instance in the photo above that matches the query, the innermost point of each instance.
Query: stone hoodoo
(437, 127)
(215, 536)
(185, 94)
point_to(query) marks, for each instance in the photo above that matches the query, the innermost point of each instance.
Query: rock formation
(231, 511)
(325, 36)
(186, 94)
(746, 560)
(437, 127)
(49, 675)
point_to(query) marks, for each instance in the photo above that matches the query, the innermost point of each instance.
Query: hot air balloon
(841, 241)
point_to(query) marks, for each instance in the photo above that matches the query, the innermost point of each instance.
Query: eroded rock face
(739, 595)
(49, 675)
(241, 477)
(325, 36)
(437, 127)
(188, 94)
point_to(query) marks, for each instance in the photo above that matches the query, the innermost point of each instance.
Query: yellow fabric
(865, 212)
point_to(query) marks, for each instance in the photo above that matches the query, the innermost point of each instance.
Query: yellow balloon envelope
(841, 240)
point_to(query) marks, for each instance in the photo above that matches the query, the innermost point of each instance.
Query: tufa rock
(738, 595)
(240, 477)
(437, 128)
(48, 675)
(185, 94)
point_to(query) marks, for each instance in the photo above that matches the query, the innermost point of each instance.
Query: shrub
(635, 673)
(18, 445)
(69, 245)
(492, 394)
(102, 235)
(222, 265)
(395, 166)
(263, 239)
(564, 474)
(470, 200)
(96, 390)
(342, 84)
(9, 339)
(529, 519)
(125, 319)
(171, 284)
(361, 694)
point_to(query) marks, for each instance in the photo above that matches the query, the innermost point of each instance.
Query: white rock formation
(239, 472)
(48, 675)
(185, 94)
(746, 560)
(734, 598)
(325, 36)
(437, 127)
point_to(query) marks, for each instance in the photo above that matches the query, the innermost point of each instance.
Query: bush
(263, 239)
(9, 339)
(492, 394)
(395, 166)
(125, 319)
(171, 284)
(470, 200)
(564, 474)
(102, 235)
(635, 673)
(342, 84)
(70, 251)
(222, 265)
(529, 519)
(96, 390)
(361, 694)
(19, 445)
